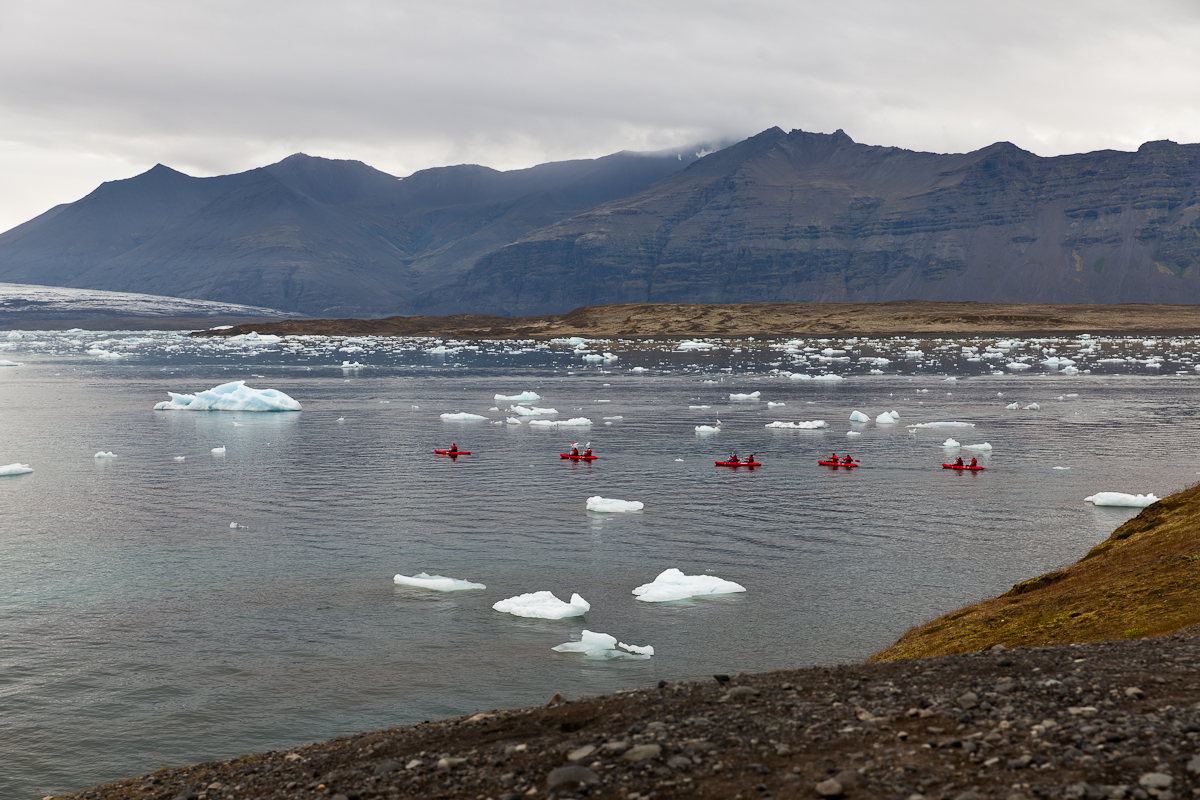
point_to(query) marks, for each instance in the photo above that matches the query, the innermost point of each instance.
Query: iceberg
(672, 584)
(609, 506)
(232, 396)
(1016, 366)
(603, 646)
(799, 376)
(6, 363)
(805, 426)
(1012, 406)
(574, 422)
(1121, 499)
(943, 425)
(771, 404)
(542, 605)
(254, 338)
(828, 378)
(1032, 407)
(15, 469)
(462, 416)
(888, 418)
(751, 396)
(437, 583)
(512, 420)
(639, 369)
(531, 411)
(950, 444)
(219, 451)
(694, 345)
(104, 454)
(983, 447)
(523, 397)
(708, 429)
(858, 416)
(854, 433)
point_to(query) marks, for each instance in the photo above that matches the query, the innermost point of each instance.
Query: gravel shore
(1100, 720)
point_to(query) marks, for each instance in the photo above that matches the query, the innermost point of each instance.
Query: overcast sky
(95, 91)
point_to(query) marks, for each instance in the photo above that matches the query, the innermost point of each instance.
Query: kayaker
(973, 462)
(453, 448)
(959, 463)
(587, 453)
(834, 458)
(750, 460)
(847, 459)
(733, 459)
(574, 451)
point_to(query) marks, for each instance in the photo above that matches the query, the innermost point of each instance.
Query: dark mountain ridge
(780, 216)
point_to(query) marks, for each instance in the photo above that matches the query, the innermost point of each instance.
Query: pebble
(580, 753)
(642, 752)
(830, 788)
(1155, 780)
(572, 775)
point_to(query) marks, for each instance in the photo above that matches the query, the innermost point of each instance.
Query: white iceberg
(943, 425)
(672, 584)
(1016, 366)
(219, 451)
(610, 506)
(639, 369)
(1033, 407)
(523, 397)
(6, 363)
(232, 396)
(532, 411)
(828, 378)
(1121, 499)
(984, 447)
(542, 605)
(694, 346)
(751, 396)
(1012, 406)
(708, 429)
(800, 376)
(462, 416)
(813, 425)
(15, 469)
(574, 422)
(603, 646)
(950, 444)
(254, 338)
(858, 416)
(771, 404)
(438, 583)
(888, 418)
(512, 420)
(105, 454)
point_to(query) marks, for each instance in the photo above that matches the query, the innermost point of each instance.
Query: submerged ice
(232, 396)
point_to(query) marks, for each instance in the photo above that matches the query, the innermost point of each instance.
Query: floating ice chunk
(593, 357)
(679, 459)
(532, 411)
(888, 418)
(462, 416)
(828, 378)
(523, 397)
(219, 451)
(672, 584)
(254, 338)
(512, 420)
(751, 396)
(1017, 366)
(603, 646)
(339, 419)
(807, 426)
(180, 458)
(775, 405)
(800, 376)
(707, 429)
(574, 422)
(103, 454)
(950, 444)
(15, 469)
(232, 396)
(858, 416)
(951, 379)
(1033, 407)
(984, 447)
(854, 433)
(639, 369)
(437, 583)
(1057, 362)
(1121, 499)
(6, 363)
(943, 425)
(542, 605)
(618, 416)
(694, 345)
(1012, 406)
(349, 365)
(607, 505)
(235, 525)
(1075, 370)
(711, 406)
(1060, 468)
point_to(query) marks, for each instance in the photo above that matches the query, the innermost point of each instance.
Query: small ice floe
(574, 422)
(708, 428)
(694, 345)
(771, 404)
(105, 454)
(950, 444)
(854, 433)
(607, 505)
(639, 369)
(858, 416)
(218, 451)
(253, 337)
(7, 363)
(679, 459)
(542, 605)
(984, 447)
(618, 416)
(15, 469)
(1033, 407)
(942, 425)
(1017, 366)
(700, 407)
(532, 411)
(232, 396)
(672, 584)
(438, 583)
(462, 416)
(339, 419)
(828, 378)
(751, 396)
(1060, 468)
(812, 425)
(1055, 362)
(349, 365)
(603, 646)
(888, 418)
(1012, 407)
(799, 376)
(1121, 499)
(951, 379)
(180, 458)
(523, 397)
(512, 420)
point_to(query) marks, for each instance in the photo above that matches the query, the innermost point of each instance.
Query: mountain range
(781, 216)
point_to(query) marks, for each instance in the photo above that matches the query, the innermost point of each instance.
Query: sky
(95, 91)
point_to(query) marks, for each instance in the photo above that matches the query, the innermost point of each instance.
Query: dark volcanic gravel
(1106, 720)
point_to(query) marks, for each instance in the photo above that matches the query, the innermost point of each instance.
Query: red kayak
(837, 463)
(453, 454)
(738, 463)
(964, 466)
(578, 458)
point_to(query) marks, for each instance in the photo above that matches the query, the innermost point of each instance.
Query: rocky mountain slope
(797, 216)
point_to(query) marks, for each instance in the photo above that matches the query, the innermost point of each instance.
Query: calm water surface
(139, 629)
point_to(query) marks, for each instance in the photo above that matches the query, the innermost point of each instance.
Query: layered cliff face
(813, 217)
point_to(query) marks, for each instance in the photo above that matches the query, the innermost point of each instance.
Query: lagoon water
(139, 629)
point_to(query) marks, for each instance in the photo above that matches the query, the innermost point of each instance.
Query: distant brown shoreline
(686, 320)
